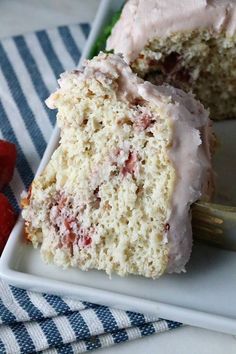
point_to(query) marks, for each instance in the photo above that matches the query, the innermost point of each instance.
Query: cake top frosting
(143, 20)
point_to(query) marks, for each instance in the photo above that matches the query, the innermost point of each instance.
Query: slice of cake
(189, 44)
(132, 158)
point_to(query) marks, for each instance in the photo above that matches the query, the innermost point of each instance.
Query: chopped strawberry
(130, 164)
(70, 239)
(144, 121)
(171, 62)
(75, 234)
(7, 220)
(67, 223)
(87, 240)
(7, 162)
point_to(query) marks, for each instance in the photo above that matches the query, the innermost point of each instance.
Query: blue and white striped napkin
(29, 68)
(32, 322)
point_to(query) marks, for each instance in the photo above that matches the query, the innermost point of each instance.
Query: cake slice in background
(189, 44)
(132, 158)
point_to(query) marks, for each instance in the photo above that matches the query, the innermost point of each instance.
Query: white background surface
(20, 16)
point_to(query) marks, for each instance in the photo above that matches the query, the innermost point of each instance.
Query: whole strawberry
(7, 162)
(7, 220)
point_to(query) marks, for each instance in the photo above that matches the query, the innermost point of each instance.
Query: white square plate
(205, 296)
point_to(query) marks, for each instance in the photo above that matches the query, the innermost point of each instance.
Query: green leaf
(100, 43)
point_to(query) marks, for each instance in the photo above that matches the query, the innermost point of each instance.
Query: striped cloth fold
(31, 322)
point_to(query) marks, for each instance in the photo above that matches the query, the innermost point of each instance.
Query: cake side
(190, 153)
(106, 198)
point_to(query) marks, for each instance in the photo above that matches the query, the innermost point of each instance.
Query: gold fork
(215, 224)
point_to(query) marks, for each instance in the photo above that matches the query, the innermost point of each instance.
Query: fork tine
(215, 224)
(207, 228)
(207, 218)
(213, 208)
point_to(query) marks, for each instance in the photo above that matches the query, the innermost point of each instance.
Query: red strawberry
(7, 162)
(130, 164)
(7, 220)
(87, 240)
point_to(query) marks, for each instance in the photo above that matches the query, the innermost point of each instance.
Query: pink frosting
(143, 20)
(190, 154)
